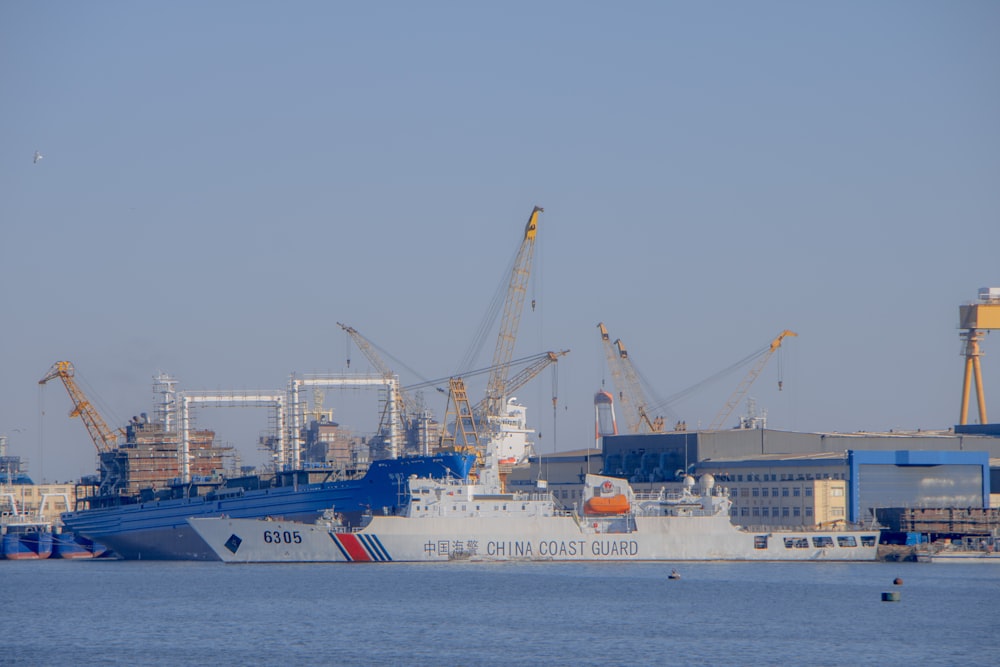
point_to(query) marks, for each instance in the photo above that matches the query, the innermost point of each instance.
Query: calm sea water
(468, 614)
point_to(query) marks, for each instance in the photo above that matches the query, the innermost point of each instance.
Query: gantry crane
(631, 397)
(762, 357)
(514, 303)
(974, 319)
(105, 439)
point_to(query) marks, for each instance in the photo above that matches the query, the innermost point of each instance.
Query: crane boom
(631, 397)
(513, 305)
(403, 401)
(105, 439)
(744, 385)
(525, 376)
(639, 421)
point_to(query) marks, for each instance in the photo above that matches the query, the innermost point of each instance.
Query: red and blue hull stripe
(360, 548)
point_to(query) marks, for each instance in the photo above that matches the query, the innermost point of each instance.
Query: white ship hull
(541, 538)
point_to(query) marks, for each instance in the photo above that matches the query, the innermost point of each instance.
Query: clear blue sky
(222, 182)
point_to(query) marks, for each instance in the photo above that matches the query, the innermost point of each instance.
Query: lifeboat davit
(616, 504)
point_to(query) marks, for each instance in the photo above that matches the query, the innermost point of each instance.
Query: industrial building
(783, 478)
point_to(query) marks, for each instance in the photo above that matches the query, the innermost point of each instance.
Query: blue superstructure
(158, 530)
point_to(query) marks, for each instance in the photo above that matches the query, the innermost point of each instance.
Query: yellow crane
(974, 319)
(513, 305)
(631, 397)
(460, 410)
(763, 355)
(525, 376)
(105, 439)
(403, 401)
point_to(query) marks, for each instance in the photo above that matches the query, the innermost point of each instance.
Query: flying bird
(38, 156)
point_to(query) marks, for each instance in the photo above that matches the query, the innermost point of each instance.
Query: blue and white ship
(157, 529)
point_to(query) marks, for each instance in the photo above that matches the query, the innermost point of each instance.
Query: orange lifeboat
(616, 504)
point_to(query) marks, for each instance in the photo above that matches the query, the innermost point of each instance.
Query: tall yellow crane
(631, 397)
(763, 355)
(513, 305)
(105, 439)
(974, 319)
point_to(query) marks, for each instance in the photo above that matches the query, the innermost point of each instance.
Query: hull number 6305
(282, 537)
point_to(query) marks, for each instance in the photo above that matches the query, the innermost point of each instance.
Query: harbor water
(469, 614)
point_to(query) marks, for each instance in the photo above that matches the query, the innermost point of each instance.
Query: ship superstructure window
(868, 540)
(846, 541)
(822, 542)
(760, 541)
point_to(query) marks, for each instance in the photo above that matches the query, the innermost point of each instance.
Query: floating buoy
(890, 597)
(897, 581)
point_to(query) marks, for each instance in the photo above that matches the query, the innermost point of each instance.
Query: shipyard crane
(762, 355)
(458, 408)
(635, 389)
(974, 320)
(631, 396)
(513, 304)
(105, 439)
(525, 376)
(404, 408)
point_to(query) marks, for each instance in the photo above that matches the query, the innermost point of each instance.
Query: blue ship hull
(158, 529)
(26, 545)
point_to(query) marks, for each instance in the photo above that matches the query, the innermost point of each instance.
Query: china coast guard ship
(475, 519)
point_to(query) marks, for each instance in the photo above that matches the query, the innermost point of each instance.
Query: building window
(756, 492)
(756, 511)
(837, 491)
(784, 511)
(739, 478)
(763, 492)
(836, 511)
(744, 511)
(744, 492)
(764, 511)
(809, 511)
(796, 491)
(784, 492)
(809, 491)
(796, 511)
